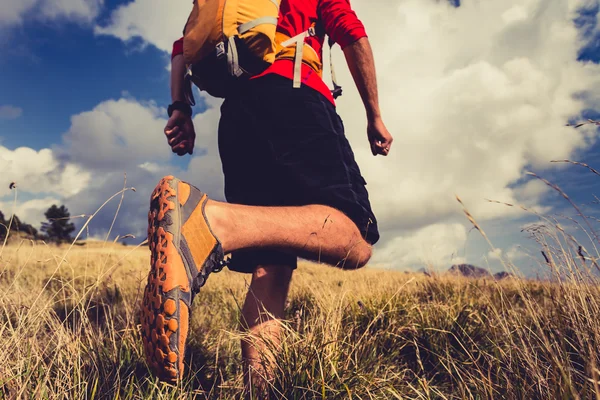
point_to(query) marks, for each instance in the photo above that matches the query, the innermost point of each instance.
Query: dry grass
(69, 328)
(72, 332)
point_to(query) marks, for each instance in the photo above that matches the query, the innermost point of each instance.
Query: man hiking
(292, 186)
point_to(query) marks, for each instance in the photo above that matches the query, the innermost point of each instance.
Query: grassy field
(69, 329)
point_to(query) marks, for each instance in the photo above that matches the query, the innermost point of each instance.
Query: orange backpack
(227, 40)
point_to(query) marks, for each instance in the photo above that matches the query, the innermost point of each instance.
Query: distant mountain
(469, 271)
(503, 275)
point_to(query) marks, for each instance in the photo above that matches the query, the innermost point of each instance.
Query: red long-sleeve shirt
(295, 16)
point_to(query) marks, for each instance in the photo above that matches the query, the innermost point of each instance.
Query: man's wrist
(373, 116)
(179, 105)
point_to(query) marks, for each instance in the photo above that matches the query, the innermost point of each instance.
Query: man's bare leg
(263, 308)
(315, 232)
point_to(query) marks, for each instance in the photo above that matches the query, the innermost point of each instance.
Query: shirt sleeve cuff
(352, 37)
(177, 48)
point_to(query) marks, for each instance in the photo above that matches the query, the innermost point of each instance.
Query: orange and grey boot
(184, 251)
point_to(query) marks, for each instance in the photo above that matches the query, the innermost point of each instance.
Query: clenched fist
(380, 138)
(180, 133)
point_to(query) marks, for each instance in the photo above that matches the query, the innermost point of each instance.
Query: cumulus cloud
(10, 112)
(495, 254)
(39, 172)
(434, 246)
(515, 253)
(15, 12)
(155, 22)
(29, 212)
(474, 96)
(116, 135)
(531, 193)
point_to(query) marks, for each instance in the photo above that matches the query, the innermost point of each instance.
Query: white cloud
(116, 135)
(39, 172)
(14, 12)
(531, 191)
(435, 246)
(11, 12)
(29, 212)
(151, 167)
(474, 97)
(156, 22)
(84, 10)
(10, 112)
(495, 254)
(515, 253)
(124, 135)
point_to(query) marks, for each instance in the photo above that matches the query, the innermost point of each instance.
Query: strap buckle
(220, 50)
(222, 264)
(336, 91)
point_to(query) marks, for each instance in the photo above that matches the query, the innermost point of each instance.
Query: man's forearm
(177, 78)
(359, 57)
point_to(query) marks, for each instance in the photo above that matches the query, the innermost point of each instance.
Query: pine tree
(58, 228)
(16, 225)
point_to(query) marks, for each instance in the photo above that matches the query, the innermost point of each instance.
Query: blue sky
(475, 95)
(61, 70)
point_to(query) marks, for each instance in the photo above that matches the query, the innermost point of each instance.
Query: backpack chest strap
(243, 28)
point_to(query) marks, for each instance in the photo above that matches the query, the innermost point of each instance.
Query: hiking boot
(184, 251)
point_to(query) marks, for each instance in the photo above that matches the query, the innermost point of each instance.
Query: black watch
(181, 106)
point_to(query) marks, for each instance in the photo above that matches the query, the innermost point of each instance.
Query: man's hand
(180, 133)
(379, 137)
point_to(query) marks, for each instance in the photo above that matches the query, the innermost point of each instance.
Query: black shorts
(281, 146)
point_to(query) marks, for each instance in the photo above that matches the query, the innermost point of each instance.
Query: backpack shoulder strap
(299, 41)
(337, 89)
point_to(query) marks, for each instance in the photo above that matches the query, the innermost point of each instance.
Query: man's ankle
(216, 214)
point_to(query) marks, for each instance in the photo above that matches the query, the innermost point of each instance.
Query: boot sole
(165, 316)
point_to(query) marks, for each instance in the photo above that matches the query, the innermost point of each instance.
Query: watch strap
(180, 106)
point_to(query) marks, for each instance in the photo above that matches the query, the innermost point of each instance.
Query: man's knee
(272, 275)
(358, 256)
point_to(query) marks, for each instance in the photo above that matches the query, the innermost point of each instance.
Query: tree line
(56, 229)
